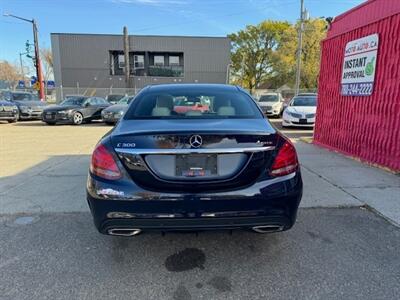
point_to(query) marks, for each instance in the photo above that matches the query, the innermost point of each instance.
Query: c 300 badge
(126, 145)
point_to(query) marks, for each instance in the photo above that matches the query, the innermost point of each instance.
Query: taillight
(103, 164)
(286, 161)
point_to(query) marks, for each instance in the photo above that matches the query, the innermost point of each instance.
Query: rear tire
(77, 118)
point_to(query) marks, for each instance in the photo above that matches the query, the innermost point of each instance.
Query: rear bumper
(196, 224)
(264, 203)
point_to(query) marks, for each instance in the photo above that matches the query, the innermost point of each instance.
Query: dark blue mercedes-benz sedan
(193, 157)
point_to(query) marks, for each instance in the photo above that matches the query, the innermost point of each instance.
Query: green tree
(252, 52)
(284, 59)
(267, 53)
(314, 33)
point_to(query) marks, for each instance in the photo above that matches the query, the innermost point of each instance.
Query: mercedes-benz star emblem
(196, 141)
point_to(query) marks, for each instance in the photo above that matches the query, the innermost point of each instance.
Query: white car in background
(300, 112)
(271, 104)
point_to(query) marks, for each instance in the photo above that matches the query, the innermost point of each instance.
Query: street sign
(36, 85)
(33, 80)
(51, 84)
(359, 66)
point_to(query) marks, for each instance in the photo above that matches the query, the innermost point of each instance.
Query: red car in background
(182, 106)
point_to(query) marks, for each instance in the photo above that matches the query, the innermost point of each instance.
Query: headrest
(165, 101)
(161, 112)
(219, 102)
(226, 111)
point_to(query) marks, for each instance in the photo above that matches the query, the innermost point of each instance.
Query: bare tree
(9, 73)
(47, 63)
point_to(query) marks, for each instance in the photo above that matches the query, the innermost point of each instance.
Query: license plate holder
(303, 121)
(196, 165)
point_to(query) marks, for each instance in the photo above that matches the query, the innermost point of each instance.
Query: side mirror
(87, 104)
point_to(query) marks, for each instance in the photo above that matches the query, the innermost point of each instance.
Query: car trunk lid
(213, 154)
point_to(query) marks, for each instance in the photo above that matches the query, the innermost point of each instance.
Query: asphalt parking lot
(49, 248)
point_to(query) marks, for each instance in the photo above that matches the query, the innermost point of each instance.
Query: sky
(146, 17)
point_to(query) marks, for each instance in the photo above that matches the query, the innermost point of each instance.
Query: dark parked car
(29, 105)
(114, 98)
(224, 168)
(75, 110)
(8, 111)
(112, 114)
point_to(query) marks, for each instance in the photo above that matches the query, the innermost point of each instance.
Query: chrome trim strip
(194, 151)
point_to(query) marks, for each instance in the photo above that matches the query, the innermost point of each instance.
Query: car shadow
(57, 187)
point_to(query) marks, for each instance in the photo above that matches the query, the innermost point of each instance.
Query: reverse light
(286, 161)
(103, 164)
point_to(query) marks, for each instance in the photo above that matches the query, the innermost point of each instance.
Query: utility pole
(299, 47)
(126, 54)
(38, 65)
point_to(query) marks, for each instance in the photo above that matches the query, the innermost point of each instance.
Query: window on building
(138, 61)
(121, 61)
(174, 60)
(159, 60)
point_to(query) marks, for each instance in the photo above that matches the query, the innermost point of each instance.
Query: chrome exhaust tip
(268, 228)
(124, 231)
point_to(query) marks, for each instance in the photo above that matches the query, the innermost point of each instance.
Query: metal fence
(61, 92)
(56, 95)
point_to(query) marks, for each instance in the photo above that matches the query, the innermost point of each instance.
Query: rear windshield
(125, 100)
(24, 96)
(304, 101)
(269, 98)
(115, 97)
(188, 104)
(73, 101)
